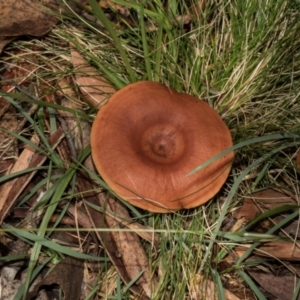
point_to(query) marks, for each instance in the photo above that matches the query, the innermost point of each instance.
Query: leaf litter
(70, 137)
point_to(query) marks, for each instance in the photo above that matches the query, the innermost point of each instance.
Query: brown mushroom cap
(148, 137)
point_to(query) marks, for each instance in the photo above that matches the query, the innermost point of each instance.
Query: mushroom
(148, 137)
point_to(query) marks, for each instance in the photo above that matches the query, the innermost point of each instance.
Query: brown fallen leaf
(261, 202)
(8, 145)
(279, 249)
(16, 75)
(298, 160)
(69, 268)
(124, 248)
(248, 211)
(273, 198)
(109, 4)
(143, 231)
(129, 247)
(281, 287)
(5, 41)
(29, 158)
(24, 17)
(10, 282)
(203, 289)
(94, 87)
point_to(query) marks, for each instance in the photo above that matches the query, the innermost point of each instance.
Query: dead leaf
(273, 198)
(18, 74)
(129, 247)
(5, 41)
(105, 4)
(298, 160)
(204, 289)
(29, 158)
(262, 201)
(281, 287)
(124, 248)
(68, 274)
(93, 86)
(9, 281)
(143, 231)
(24, 17)
(248, 211)
(8, 145)
(279, 249)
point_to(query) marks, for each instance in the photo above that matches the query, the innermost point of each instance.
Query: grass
(242, 57)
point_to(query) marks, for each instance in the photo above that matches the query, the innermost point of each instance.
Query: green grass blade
(252, 285)
(145, 43)
(97, 10)
(277, 136)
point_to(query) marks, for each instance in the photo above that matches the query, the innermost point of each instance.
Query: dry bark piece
(24, 17)
(148, 137)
